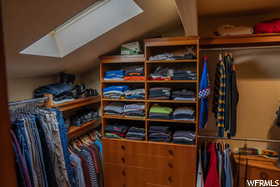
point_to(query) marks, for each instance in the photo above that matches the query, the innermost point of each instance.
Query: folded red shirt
(272, 26)
(134, 78)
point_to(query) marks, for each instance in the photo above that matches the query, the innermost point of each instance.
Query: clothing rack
(241, 139)
(36, 100)
(239, 48)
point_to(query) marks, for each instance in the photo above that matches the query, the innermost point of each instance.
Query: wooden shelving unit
(151, 45)
(75, 131)
(133, 160)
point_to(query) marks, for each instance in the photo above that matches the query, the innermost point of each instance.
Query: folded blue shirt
(115, 88)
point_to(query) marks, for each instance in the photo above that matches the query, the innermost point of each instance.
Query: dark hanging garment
(219, 98)
(228, 66)
(234, 102)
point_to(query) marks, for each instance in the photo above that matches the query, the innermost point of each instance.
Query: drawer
(114, 175)
(151, 162)
(114, 158)
(114, 145)
(158, 149)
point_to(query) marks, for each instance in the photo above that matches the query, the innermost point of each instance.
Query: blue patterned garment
(204, 91)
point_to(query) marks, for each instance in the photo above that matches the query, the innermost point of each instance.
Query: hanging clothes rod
(238, 48)
(241, 139)
(36, 100)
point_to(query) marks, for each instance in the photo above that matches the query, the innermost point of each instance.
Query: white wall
(22, 88)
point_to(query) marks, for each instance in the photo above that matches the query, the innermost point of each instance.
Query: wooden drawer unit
(254, 168)
(142, 163)
(114, 175)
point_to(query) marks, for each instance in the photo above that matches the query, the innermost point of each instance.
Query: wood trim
(7, 162)
(122, 59)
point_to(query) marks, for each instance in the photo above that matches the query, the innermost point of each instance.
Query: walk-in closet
(140, 93)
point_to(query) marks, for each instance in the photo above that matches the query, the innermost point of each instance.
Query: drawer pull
(123, 160)
(123, 173)
(171, 152)
(263, 175)
(170, 165)
(170, 180)
(123, 147)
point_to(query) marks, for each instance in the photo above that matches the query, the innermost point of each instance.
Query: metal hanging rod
(36, 100)
(241, 139)
(238, 48)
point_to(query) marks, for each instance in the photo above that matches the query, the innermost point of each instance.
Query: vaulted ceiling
(27, 21)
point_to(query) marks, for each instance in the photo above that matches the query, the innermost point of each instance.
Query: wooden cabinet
(141, 164)
(254, 168)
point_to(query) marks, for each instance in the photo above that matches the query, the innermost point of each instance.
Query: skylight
(88, 25)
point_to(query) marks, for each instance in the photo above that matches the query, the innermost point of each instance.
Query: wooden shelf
(171, 61)
(75, 131)
(107, 116)
(149, 142)
(251, 40)
(122, 59)
(152, 101)
(76, 103)
(171, 121)
(125, 100)
(123, 139)
(172, 41)
(124, 81)
(172, 81)
(172, 101)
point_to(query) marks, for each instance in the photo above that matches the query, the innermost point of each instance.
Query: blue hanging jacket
(204, 91)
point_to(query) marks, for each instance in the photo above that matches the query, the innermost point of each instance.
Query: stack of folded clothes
(136, 133)
(160, 133)
(64, 92)
(183, 94)
(184, 75)
(183, 137)
(116, 131)
(114, 75)
(159, 93)
(160, 112)
(83, 117)
(134, 73)
(135, 94)
(114, 92)
(161, 73)
(183, 113)
(114, 108)
(169, 56)
(135, 109)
